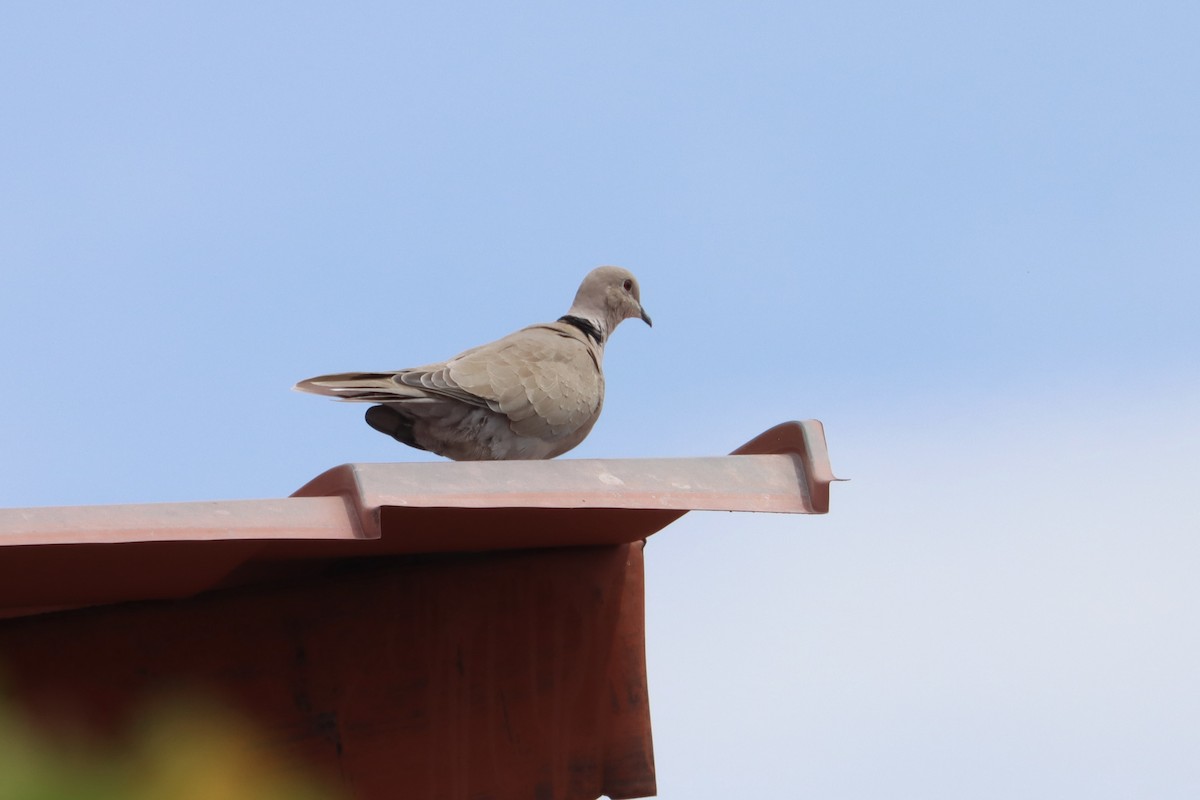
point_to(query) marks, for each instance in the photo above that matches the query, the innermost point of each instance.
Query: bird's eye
(628, 284)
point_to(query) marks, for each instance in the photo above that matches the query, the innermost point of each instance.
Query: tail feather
(360, 387)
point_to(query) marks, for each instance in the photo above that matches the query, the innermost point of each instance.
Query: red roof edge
(57, 557)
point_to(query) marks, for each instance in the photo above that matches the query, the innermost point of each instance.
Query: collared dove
(534, 394)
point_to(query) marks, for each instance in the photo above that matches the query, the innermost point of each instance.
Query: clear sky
(963, 235)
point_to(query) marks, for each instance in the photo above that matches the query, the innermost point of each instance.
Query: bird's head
(610, 295)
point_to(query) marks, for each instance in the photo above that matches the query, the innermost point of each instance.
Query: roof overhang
(60, 557)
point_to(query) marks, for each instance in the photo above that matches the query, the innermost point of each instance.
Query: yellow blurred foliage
(180, 749)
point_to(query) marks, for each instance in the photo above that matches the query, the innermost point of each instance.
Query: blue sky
(963, 236)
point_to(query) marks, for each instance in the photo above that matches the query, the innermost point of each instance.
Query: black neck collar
(585, 326)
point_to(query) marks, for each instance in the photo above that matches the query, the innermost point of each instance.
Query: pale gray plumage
(534, 394)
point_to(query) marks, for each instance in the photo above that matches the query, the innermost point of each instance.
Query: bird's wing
(545, 378)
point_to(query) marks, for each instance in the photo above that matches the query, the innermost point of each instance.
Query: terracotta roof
(61, 557)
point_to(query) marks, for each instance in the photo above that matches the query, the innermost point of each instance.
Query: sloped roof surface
(63, 557)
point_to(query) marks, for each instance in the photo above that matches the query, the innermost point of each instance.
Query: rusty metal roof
(515, 674)
(61, 557)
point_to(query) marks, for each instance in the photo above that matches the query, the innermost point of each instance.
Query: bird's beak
(646, 317)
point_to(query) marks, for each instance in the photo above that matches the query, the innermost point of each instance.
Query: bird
(533, 394)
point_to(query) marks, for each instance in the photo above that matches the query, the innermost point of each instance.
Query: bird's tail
(359, 387)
